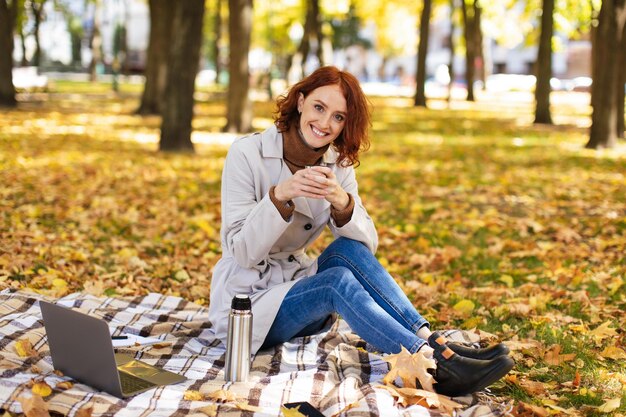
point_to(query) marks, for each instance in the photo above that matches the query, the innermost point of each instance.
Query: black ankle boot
(456, 375)
(438, 342)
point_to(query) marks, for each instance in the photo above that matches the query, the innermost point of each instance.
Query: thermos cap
(241, 302)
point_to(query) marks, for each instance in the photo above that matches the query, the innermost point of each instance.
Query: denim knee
(345, 245)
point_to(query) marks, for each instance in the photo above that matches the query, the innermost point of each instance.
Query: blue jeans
(351, 282)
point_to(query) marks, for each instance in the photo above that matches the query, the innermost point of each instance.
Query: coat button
(291, 258)
(308, 226)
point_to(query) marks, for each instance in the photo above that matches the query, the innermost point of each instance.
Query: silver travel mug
(239, 340)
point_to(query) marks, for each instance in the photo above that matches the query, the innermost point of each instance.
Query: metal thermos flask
(239, 340)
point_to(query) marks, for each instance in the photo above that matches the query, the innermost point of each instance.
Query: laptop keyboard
(131, 383)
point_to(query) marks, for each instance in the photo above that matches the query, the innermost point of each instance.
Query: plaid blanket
(334, 370)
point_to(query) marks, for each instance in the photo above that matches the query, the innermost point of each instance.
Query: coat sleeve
(251, 224)
(361, 226)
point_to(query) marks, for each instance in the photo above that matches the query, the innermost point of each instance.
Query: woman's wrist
(278, 194)
(342, 202)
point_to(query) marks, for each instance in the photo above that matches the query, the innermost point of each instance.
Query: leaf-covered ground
(487, 221)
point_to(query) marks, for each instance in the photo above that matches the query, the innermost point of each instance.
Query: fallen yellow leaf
(64, 385)
(602, 332)
(24, 348)
(222, 396)
(41, 388)
(610, 405)
(410, 367)
(210, 410)
(613, 352)
(291, 412)
(191, 395)
(465, 307)
(85, 411)
(34, 406)
(247, 407)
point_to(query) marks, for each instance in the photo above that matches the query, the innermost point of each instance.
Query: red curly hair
(354, 136)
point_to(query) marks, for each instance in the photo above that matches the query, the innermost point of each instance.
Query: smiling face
(323, 115)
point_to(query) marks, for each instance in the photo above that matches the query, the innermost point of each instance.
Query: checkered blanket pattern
(330, 370)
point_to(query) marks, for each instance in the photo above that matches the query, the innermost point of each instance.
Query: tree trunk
(451, 63)
(479, 39)
(37, 9)
(215, 48)
(184, 59)
(161, 20)
(7, 23)
(611, 19)
(312, 34)
(422, 51)
(95, 43)
(621, 93)
(24, 61)
(470, 46)
(544, 65)
(239, 111)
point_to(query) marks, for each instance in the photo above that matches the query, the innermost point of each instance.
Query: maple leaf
(346, 408)
(291, 412)
(34, 406)
(567, 235)
(210, 410)
(410, 367)
(64, 385)
(611, 405)
(41, 388)
(523, 409)
(222, 396)
(248, 407)
(192, 395)
(465, 307)
(602, 332)
(428, 399)
(553, 356)
(24, 348)
(85, 411)
(613, 352)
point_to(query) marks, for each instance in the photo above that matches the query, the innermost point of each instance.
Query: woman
(280, 189)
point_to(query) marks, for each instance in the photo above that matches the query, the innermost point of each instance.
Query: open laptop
(81, 347)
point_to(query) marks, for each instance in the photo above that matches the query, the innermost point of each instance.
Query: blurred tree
(312, 38)
(422, 51)
(37, 10)
(161, 21)
(20, 22)
(606, 73)
(95, 43)
(544, 65)
(184, 59)
(239, 107)
(214, 44)
(451, 72)
(346, 30)
(621, 92)
(471, 21)
(8, 13)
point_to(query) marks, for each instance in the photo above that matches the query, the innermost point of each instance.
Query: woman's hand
(313, 182)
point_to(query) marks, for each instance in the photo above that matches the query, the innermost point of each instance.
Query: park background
(500, 202)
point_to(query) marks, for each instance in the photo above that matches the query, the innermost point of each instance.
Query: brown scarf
(297, 153)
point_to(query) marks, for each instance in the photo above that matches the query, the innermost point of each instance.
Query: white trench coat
(262, 254)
